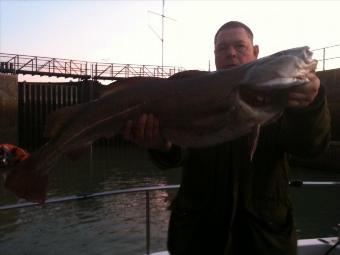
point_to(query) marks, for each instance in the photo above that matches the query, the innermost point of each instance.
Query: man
(226, 203)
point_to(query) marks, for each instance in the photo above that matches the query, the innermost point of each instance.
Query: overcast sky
(127, 32)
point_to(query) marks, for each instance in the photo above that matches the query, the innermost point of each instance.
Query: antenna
(162, 34)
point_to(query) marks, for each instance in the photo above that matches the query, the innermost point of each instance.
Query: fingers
(135, 130)
(145, 131)
(304, 95)
(147, 127)
(140, 126)
(127, 131)
(298, 99)
(151, 127)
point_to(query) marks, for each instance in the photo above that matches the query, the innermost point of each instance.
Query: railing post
(147, 212)
(323, 59)
(36, 64)
(16, 61)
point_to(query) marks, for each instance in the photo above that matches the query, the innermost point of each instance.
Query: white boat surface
(316, 246)
(319, 246)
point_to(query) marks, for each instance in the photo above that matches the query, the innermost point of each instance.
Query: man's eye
(240, 46)
(221, 48)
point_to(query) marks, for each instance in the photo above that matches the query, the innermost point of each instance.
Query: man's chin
(230, 66)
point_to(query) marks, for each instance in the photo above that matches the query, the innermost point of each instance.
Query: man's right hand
(145, 132)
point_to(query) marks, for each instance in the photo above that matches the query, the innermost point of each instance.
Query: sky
(129, 32)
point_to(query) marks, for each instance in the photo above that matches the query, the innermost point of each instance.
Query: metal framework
(328, 57)
(67, 68)
(146, 190)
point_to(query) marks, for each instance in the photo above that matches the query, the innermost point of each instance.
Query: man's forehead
(232, 35)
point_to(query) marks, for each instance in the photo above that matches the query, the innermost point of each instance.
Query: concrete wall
(8, 108)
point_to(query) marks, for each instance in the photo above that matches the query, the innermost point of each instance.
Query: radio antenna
(161, 37)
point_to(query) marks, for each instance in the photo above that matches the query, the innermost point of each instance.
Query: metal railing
(147, 191)
(67, 68)
(328, 57)
(34, 65)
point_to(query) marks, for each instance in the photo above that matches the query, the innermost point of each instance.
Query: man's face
(234, 47)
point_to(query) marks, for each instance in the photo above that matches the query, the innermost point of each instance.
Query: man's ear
(256, 50)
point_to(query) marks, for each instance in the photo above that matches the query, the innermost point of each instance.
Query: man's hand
(145, 132)
(304, 95)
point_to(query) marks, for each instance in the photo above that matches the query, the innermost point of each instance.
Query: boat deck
(318, 246)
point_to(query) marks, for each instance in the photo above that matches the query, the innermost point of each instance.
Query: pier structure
(77, 69)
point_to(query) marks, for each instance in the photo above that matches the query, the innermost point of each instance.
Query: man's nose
(231, 51)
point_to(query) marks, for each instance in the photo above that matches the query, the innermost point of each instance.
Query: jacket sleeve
(167, 159)
(306, 132)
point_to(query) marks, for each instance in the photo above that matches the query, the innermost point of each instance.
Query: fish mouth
(271, 92)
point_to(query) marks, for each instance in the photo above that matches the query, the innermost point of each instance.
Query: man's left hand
(304, 95)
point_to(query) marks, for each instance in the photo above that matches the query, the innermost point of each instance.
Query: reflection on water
(113, 225)
(110, 225)
(116, 224)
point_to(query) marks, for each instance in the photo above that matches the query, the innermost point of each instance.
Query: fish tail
(27, 183)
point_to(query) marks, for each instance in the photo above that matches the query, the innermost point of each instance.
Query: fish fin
(103, 90)
(187, 74)
(253, 140)
(25, 183)
(122, 83)
(56, 120)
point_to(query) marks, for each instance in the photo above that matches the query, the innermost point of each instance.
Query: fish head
(281, 70)
(267, 81)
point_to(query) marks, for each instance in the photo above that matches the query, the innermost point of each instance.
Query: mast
(162, 32)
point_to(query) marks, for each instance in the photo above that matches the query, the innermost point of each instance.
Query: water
(116, 224)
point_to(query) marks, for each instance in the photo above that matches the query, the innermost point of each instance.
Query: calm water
(116, 224)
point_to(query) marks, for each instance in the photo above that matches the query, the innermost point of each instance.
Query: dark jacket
(228, 204)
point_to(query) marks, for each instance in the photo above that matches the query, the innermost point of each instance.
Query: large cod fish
(195, 109)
